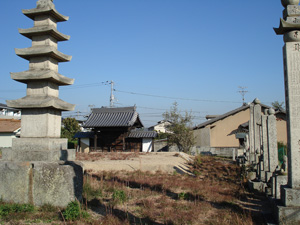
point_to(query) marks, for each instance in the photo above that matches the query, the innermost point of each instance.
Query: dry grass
(209, 198)
(113, 198)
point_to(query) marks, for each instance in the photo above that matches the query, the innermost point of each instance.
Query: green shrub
(183, 196)
(74, 212)
(6, 209)
(119, 196)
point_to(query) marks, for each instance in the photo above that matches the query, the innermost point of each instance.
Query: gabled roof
(113, 117)
(9, 125)
(142, 134)
(230, 113)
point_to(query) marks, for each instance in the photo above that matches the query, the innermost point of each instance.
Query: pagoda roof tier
(36, 74)
(44, 30)
(51, 11)
(40, 51)
(37, 102)
(285, 27)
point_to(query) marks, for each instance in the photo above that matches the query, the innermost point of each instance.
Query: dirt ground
(154, 161)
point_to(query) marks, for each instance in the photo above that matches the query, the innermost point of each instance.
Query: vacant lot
(213, 194)
(146, 162)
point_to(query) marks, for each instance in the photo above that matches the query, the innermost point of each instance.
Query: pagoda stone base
(36, 144)
(40, 183)
(39, 149)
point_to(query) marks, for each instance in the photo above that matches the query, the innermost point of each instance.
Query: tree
(70, 128)
(278, 105)
(179, 131)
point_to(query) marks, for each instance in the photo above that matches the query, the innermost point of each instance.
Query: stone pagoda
(288, 210)
(38, 169)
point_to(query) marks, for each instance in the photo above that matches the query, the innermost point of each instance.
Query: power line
(175, 98)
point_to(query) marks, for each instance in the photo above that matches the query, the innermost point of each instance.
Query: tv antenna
(243, 91)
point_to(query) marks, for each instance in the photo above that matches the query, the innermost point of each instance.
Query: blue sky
(194, 52)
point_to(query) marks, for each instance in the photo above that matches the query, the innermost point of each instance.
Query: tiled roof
(9, 125)
(113, 117)
(142, 134)
(244, 107)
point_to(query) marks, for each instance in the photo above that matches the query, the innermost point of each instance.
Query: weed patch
(74, 212)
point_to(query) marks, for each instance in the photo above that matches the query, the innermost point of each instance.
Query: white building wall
(6, 140)
(147, 145)
(85, 141)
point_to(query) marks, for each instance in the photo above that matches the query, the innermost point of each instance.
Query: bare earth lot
(163, 161)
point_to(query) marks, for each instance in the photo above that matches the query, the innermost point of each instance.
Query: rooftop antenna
(243, 91)
(112, 96)
(91, 106)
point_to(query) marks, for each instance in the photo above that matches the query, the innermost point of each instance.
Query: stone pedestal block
(38, 144)
(290, 196)
(287, 215)
(41, 123)
(40, 183)
(39, 149)
(277, 182)
(257, 185)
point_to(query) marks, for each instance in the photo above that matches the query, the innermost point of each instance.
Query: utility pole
(242, 91)
(112, 96)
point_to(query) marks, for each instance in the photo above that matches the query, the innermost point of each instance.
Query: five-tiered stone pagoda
(38, 169)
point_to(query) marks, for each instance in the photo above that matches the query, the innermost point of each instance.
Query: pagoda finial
(44, 3)
(285, 3)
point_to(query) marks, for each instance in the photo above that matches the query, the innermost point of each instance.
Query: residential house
(7, 112)
(161, 126)
(9, 129)
(219, 132)
(115, 129)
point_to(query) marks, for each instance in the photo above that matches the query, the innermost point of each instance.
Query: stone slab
(257, 186)
(50, 156)
(39, 144)
(14, 187)
(40, 183)
(287, 215)
(56, 184)
(290, 196)
(277, 182)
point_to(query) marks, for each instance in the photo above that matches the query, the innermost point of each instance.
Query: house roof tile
(142, 134)
(244, 107)
(9, 125)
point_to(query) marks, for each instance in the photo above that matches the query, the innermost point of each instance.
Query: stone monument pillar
(265, 147)
(272, 143)
(38, 169)
(255, 134)
(290, 29)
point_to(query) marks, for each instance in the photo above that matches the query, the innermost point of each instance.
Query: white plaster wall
(6, 140)
(147, 145)
(85, 141)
